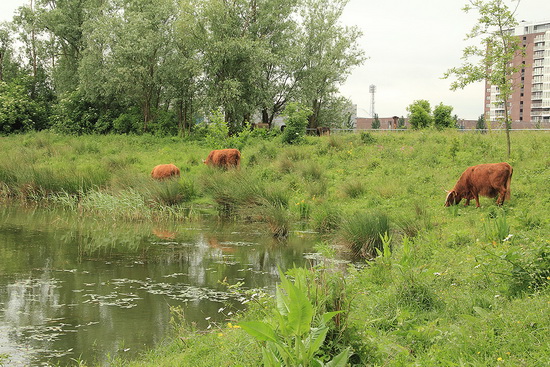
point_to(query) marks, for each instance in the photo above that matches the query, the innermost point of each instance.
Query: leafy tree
(442, 116)
(231, 58)
(420, 114)
(337, 113)
(401, 123)
(376, 123)
(329, 52)
(296, 118)
(480, 124)
(493, 58)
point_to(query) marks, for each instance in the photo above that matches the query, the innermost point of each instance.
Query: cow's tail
(508, 191)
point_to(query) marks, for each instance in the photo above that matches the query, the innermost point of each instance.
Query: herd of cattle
(490, 180)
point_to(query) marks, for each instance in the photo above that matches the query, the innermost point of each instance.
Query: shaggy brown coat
(224, 158)
(491, 180)
(164, 171)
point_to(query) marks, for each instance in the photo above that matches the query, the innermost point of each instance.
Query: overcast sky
(410, 44)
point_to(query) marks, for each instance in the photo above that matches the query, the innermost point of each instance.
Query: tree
(329, 52)
(481, 125)
(442, 116)
(420, 114)
(130, 42)
(494, 57)
(376, 122)
(401, 123)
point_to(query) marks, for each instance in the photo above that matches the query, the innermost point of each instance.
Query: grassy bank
(453, 286)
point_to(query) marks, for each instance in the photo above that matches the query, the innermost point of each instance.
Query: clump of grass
(326, 218)
(362, 233)
(127, 204)
(353, 188)
(285, 165)
(278, 220)
(171, 192)
(312, 171)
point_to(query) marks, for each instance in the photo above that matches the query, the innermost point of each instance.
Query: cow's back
(489, 178)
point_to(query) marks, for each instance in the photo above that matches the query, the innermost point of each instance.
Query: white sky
(410, 44)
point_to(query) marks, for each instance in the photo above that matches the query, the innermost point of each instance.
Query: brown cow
(224, 158)
(164, 171)
(489, 180)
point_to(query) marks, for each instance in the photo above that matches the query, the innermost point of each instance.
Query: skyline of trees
(163, 65)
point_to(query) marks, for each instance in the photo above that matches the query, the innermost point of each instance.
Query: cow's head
(453, 198)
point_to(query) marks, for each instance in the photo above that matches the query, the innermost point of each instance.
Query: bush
(18, 113)
(127, 123)
(296, 118)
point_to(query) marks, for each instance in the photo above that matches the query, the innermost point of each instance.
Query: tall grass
(363, 231)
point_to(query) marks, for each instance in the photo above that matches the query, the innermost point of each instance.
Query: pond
(90, 289)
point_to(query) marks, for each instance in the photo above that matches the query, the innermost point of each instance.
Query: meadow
(429, 286)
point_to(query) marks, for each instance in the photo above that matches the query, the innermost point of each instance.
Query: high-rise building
(530, 101)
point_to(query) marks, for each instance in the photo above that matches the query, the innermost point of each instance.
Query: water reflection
(71, 288)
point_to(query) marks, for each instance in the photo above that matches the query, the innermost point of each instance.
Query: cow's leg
(501, 196)
(467, 202)
(477, 200)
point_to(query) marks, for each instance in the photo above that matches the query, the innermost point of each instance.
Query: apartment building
(530, 101)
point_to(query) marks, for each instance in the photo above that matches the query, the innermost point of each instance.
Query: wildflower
(499, 359)
(220, 334)
(229, 325)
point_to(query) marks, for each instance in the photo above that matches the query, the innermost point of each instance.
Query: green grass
(458, 286)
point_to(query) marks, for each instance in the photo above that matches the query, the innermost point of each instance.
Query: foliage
(296, 116)
(480, 124)
(525, 269)
(376, 122)
(420, 114)
(442, 116)
(493, 59)
(291, 337)
(401, 123)
(17, 112)
(367, 138)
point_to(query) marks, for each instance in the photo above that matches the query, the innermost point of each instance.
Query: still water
(89, 289)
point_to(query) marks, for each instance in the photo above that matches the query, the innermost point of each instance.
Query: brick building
(530, 102)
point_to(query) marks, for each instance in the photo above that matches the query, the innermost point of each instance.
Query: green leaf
(340, 360)
(300, 312)
(329, 315)
(259, 330)
(315, 340)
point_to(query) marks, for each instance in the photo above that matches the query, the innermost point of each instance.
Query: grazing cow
(224, 158)
(164, 171)
(323, 130)
(489, 180)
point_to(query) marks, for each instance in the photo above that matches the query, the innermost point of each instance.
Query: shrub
(367, 138)
(296, 119)
(126, 123)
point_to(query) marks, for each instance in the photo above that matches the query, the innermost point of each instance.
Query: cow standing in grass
(224, 158)
(164, 171)
(491, 180)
